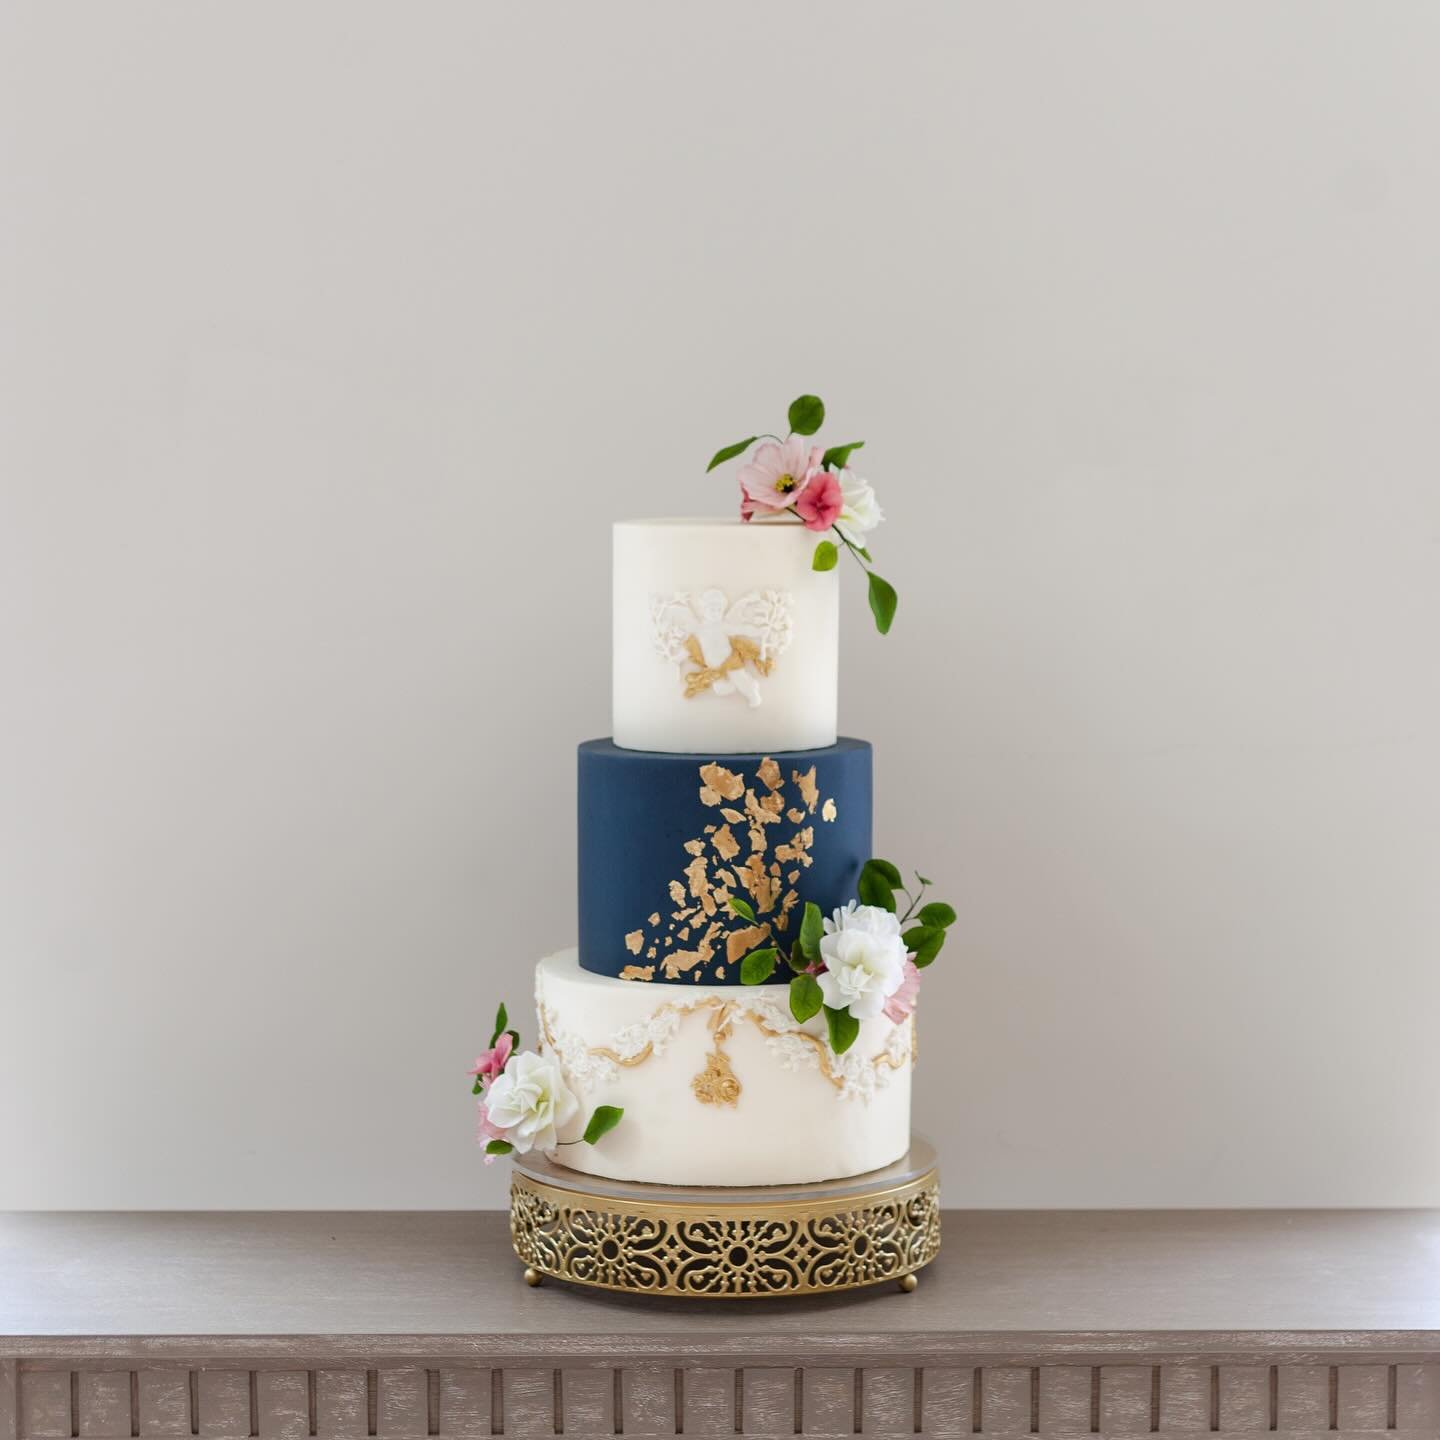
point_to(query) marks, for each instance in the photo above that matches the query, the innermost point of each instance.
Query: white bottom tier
(719, 1085)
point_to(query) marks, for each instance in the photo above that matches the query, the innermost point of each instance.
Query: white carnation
(863, 969)
(530, 1102)
(872, 919)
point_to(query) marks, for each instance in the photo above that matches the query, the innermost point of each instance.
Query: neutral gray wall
(332, 338)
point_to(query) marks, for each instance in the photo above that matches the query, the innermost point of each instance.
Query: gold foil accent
(827, 810)
(743, 651)
(725, 843)
(795, 817)
(716, 1083)
(679, 961)
(821, 1048)
(694, 847)
(650, 953)
(725, 783)
(798, 848)
(634, 940)
(769, 774)
(695, 873)
(638, 972)
(733, 816)
(677, 892)
(739, 943)
(809, 790)
(654, 918)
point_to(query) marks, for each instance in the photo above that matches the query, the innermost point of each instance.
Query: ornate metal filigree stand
(727, 1244)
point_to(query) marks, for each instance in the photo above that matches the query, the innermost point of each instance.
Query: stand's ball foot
(532, 1275)
(910, 1283)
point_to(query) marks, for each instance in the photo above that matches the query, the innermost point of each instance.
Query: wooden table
(401, 1326)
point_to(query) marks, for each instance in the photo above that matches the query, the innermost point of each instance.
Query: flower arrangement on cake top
(861, 962)
(819, 488)
(525, 1102)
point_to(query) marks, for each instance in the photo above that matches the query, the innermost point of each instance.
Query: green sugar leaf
(501, 1021)
(729, 452)
(827, 557)
(604, 1120)
(742, 908)
(887, 872)
(883, 601)
(812, 927)
(839, 455)
(807, 414)
(937, 913)
(757, 967)
(874, 890)
(805, 997)
(499, 1147)
(843, 1028)
(923, 942)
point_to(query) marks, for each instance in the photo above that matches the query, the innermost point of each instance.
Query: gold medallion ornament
(726, 1244)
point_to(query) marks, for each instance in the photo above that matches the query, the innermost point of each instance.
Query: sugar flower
(493, 1061)
(872, 919)
(863, 968)
(821, 501)
(860, 513)
(528, 1103)
(901, 1004)
(777, 475)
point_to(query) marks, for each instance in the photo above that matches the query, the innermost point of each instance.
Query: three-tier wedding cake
(739, 1010)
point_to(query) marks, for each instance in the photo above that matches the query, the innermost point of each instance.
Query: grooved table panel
(1301, 1326)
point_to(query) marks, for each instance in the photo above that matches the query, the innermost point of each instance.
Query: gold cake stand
(718, 1243)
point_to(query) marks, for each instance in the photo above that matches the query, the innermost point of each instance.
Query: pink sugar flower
(820, 504)
(777, 475)
(492, 1062)
(902, 1003)
(488, 1131)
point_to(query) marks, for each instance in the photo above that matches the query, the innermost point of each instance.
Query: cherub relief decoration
(719, 648)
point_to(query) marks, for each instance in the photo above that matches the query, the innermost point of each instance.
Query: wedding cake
(739, 1008)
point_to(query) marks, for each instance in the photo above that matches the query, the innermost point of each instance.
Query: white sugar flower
(529, 1102)
(863, 968)
(861, 512)
(870, 918)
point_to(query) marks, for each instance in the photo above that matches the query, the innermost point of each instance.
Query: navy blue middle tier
(666, 839)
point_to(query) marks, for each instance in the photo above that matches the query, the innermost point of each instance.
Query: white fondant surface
(662, 561)
(789, 1125)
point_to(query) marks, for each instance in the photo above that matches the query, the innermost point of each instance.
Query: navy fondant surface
(669, 836)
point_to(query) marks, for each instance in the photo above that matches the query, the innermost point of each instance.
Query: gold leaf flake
(795, 817)
(654, 918)
(809, 791)
(650, 953)
(762, 887)
(733, 816)
(726, 845)
(638, 972)
(790, 901)
(634, 940)
(679, 961)
(724, 877)
(725, 784)
(695, 873)
(739, 943)
(677, 892)
(793, 876)
(719, 972)
(827, 811)
(769, 774)
(683, 933)
(708, 796)
(798, 847)
(694, 847)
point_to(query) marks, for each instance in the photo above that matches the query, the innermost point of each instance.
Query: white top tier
(726, 641)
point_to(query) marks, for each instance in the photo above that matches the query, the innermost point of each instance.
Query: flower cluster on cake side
(819, 487)
(524, 1101)
(862, 961)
